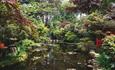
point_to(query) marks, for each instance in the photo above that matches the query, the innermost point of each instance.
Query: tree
(13, 24)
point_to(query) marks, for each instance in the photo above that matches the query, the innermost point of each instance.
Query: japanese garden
(57, 34)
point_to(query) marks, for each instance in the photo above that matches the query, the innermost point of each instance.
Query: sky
(63, 1)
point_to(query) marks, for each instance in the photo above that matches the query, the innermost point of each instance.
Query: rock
(93, 54)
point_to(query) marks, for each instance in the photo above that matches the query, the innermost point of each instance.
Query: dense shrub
(14, 26)
(107, 53)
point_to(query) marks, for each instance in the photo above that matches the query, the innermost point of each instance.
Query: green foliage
(12, 28)
(105, 4)
(3, 7)
(70, 36)
(67, 4)
(57, 32)
(64, 28)
(107, 57)
(96, 17)
(104, 61)
(23, 47)
(12, 32)
(42, 29)
(34, 7)
(26, 43)
(43, 32)
(66, 16)
(109, 45)
(19, 55)
(85, 44)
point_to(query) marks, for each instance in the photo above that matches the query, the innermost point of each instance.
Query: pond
(64, 60)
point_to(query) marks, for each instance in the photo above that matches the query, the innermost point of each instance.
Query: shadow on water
(65, 62)
(59, 61)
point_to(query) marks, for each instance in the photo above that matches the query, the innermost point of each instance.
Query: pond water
(60, 61)
(65, 61)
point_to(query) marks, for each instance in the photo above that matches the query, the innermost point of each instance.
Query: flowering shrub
(2, 45)
(19, 55)
(107, 53)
